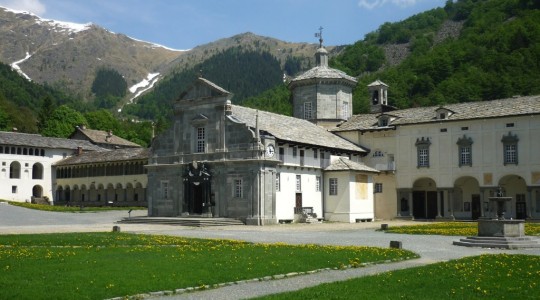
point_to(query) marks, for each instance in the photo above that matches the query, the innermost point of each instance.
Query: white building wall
(20, 189)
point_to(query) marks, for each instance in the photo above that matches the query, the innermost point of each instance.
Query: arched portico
(467, 199)
(515, 186)
(425, 199)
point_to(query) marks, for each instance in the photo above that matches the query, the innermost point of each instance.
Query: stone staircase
(182, 221)
(499, 242)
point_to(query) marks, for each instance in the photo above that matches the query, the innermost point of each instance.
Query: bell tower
(378, 92)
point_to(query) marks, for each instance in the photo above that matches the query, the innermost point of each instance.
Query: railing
(391, 166)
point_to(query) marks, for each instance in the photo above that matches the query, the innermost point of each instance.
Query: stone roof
(293, 130)
(117, 155)
(345, 164)
(323, 72)
(104, 137)
(518, 106)
(39, 141)
(377, 83)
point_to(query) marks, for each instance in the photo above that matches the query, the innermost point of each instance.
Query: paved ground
(15, 220)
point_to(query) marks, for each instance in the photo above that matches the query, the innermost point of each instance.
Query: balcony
(386, 167)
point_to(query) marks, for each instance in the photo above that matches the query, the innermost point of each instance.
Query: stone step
(499, 242)
(193, 222)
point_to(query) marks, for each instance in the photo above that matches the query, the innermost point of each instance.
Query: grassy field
(70, 208)
(105, 265)
(453, 228)
(482, 277)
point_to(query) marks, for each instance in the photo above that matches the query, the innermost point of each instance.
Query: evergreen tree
(63, 121)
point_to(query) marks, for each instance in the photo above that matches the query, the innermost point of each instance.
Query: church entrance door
(197, 187)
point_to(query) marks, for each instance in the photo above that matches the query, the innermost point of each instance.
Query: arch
(37, 191)
(37, 171)
(515, 186)
(110, 193)
(15, 170)
(424, 199)
(84, 193)
(100, 193)
(467, 198)
(60, 194)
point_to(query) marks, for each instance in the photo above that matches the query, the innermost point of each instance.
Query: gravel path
(432, 249)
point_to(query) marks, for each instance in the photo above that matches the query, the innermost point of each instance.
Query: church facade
(223, 160)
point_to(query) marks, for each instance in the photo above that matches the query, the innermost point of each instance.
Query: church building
(224, 160)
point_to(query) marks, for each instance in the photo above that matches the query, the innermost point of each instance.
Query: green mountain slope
(496, 54)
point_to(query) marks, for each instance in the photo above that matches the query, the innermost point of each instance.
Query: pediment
(203, 88)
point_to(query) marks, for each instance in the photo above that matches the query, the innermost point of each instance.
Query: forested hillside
(495, 55)
(243, 73)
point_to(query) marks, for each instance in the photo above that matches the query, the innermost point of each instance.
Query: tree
(63, 121)
(102, 120)
(45, 112)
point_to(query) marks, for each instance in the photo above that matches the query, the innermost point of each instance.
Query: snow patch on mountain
(144, 85)
(69, 27)
(15, 66)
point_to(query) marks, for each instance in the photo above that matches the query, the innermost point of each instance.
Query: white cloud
(371, 4)
(33, 6)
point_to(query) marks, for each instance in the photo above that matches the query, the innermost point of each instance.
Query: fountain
(498, 232)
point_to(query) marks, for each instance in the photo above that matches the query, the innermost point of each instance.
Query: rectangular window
(281, 154)
(165, 189)
(201, 142)
(333, 186)
(465, 128)
(278, 182)
(14, 189)
(315, 153)
(378, 187)
(444, 130)
(423, 157)
(510, 154)
(465, 156)
(308, 111)
(298, 183)
(294, 152)
(509, 124)
(238, 188)
(301, 157)
(317, 183)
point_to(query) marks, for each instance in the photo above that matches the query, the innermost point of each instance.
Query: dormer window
(383, 121)
(378, 153)
(443, 113)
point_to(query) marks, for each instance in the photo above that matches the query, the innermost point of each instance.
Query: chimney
(79, 150)
(109, 136)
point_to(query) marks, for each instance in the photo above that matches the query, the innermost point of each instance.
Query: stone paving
(16, 220)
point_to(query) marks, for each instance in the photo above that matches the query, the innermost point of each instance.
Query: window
(201, 142)
(509, 124)
(378, 153)
(281, 154)
(15, 170)
(238, 188)
(317, 183)
(333, 186)
(422, 147)
(37, 171)
(294, 152)
(442, 116)
(165, 189)
(315, 153)
(444, 130)
(278, 182)
(14, 189)
(345, 110)
(465, 151)
(298, 183)
(423, 157)
(308, 111)
(378, 187)
(383, 121)
(465, 128)
(301, 157)
(510, 147)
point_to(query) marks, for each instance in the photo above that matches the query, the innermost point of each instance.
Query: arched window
(15, 170)
(37, 171)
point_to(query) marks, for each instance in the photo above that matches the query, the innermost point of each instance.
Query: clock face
(270, 150)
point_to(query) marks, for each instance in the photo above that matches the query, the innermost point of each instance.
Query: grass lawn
(453, 228)
(482, 277)
(106, 265)
(70, 208)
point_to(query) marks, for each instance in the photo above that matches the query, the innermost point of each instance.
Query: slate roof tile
(106, 156)
(39, 141)
(345, 164)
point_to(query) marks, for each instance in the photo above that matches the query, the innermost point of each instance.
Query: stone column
(482, 206)
(528, 201)
(411, 204)
(451, 203)
(439, 204)
(398, 206)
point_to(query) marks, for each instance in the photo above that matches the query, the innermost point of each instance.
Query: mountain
(68, 56)
(470, 50)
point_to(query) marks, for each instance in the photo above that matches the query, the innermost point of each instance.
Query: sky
(185, 24)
